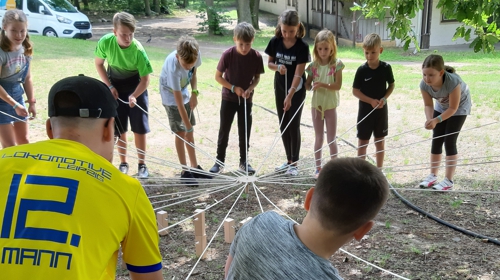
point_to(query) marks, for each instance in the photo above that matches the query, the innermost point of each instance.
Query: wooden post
(162, 222)
(200, 235)
(242, 223)
(229, 230)
(247, 189)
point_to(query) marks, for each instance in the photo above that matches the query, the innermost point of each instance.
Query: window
(33, 6)
(445, 18)
(19, 4)
(319, 5)
(272, 1)
(292, 3)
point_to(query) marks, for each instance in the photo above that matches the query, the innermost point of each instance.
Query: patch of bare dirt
(163, 31)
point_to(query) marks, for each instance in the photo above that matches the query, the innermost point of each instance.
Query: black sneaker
(246, 167)
(201, 174)
(143, 171)
(188, 179)
(217, 168)
(123, 167)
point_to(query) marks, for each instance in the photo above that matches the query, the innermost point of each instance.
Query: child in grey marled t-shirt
(349, 193)
(445, 118)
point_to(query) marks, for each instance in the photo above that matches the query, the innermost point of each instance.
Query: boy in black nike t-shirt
(373, 84)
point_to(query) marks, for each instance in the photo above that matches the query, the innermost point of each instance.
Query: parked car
(55, 18)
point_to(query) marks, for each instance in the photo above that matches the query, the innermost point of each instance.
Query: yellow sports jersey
(64, 210)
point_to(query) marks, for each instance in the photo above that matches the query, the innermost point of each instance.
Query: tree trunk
(156, 3)
(243, 11)
(76, 3)
(186, 3)
(86, 5)
(254, 10)
(147, 8)
(210, 17)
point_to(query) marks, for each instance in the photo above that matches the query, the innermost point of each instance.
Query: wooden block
(244, 221)
(162, 221)
(200, 245)
(229, 230)
(199, 223)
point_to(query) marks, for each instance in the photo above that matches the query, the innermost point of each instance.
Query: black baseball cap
(96, 100)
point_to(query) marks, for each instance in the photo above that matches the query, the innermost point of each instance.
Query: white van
(55, 18)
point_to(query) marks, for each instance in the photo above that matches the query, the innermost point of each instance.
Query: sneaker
(292, 170)
(282, 168)
(202, 174)
(244, 166)
(123, 167)
(188, 179)
(444, 185)
(143, 171)
(316, 173)
(217, 168)
(429, 181)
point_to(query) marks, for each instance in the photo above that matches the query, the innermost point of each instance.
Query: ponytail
(449, 69)
(302, 31)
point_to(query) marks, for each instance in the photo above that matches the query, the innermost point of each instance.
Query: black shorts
(376, 123)
(139, 121)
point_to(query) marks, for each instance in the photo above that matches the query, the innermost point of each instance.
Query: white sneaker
(292, 171)
(444, 185)
(429, 181)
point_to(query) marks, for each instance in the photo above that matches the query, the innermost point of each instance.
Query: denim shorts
(6, 108)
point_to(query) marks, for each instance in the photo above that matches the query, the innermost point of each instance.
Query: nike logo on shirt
(366, 80)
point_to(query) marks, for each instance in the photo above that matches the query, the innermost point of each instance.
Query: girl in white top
(325, 80)
(15, 57)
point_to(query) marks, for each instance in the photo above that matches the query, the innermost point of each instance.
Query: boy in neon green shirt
(127, 77)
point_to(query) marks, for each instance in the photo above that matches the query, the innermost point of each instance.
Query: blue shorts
(6, 108)
(139, 121)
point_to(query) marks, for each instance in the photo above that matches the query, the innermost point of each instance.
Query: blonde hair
(12, 16)
(327, 36)
(372, 41)
(187, 49)
(290, 18)
(124, 19)
(436, 61)
(244, 31)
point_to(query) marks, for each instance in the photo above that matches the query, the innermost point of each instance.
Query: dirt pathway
(164, 32)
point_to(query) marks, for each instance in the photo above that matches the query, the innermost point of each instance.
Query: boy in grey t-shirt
(349, 193)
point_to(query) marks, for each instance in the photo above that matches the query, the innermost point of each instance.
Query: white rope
(281, 134)
(178, 194)
(432, 138)
(212, 205)
(175, 196)
(193, 198)
(257, 196)
(439, 161)
(220, 226)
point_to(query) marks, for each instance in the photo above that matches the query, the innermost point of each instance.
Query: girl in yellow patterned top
(325, 80)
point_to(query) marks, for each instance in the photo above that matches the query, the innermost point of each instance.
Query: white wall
(442, 32)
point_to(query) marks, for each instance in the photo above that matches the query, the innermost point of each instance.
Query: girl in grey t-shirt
(446, 117)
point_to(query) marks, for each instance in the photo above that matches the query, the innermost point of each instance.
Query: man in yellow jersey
(65, 210)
